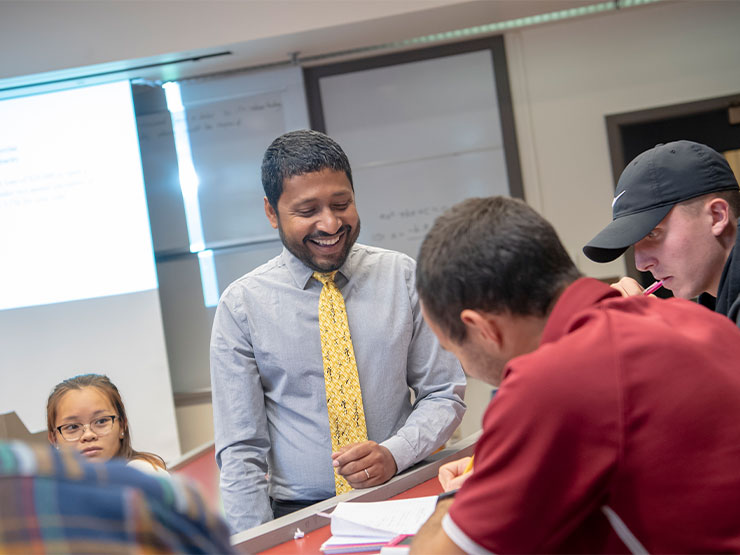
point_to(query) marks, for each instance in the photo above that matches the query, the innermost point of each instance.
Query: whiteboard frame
(495, 44)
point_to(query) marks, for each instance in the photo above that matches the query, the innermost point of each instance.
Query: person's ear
(271, 214)
(484, 326)
(719, 210)
(52, 439)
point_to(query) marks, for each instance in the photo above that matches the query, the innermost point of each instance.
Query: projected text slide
(73, 215)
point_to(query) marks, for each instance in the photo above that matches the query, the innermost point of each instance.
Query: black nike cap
(653, 183)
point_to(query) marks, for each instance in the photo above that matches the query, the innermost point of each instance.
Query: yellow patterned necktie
(343, 395)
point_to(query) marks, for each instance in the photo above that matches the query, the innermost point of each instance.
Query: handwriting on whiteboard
(210, 117)
(409, 224)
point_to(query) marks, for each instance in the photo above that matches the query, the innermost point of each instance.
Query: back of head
(652, 184)
(297, 153)
(494, 254)
(59, 502)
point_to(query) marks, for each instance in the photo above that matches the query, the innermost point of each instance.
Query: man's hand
(452, 475)
(364, 464)
(628, 287)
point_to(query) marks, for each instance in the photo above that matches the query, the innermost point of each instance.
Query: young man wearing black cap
(678, 204)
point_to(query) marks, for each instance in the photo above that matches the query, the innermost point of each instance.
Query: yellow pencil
(470, 466)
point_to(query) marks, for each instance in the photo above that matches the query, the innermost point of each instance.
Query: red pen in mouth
(653, 288)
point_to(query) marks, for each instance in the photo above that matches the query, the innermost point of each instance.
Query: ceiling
(255, 34)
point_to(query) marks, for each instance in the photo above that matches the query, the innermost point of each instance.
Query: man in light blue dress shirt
(269, 400)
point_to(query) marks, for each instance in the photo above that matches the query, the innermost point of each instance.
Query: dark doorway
(714, 122)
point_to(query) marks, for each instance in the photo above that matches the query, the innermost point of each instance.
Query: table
(312, 541)
(277, 536)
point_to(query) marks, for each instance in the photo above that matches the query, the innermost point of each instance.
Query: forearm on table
(432, 538)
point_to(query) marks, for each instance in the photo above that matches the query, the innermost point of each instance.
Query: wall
(195, 425)
(567, 77)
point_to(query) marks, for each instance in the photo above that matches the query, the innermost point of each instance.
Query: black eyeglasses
(101, 426)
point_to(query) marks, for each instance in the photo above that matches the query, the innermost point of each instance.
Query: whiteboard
(231, 120)
(421, 136)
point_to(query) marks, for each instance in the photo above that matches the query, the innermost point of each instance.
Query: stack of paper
(357, 527)
(353, 544)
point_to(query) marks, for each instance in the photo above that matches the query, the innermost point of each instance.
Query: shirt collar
(582, 294)
(302, 273)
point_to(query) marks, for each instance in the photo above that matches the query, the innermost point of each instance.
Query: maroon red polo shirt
(627, 417)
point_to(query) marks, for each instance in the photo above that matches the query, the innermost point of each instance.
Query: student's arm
(240, 424)
(432, 538)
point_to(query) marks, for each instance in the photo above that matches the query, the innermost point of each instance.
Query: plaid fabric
(53, 502)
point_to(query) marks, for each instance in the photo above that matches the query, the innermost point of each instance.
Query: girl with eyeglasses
(86, 413)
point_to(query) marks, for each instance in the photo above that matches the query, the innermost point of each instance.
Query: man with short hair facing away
(616, 425)
(313, 353)
(678, 204)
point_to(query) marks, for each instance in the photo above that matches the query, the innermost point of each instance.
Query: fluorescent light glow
(189, 184)
(501, 26)
(208, 277)
(173, 97)
(189, 181)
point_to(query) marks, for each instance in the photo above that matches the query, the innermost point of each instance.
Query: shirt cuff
(460, 538)
(402, 452)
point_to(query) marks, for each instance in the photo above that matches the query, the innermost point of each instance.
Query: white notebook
(380, 520)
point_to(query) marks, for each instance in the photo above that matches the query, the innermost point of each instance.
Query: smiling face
(317, 218)
(683, 251)
(84, 406)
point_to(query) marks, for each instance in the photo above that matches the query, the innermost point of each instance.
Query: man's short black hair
(494, 254)
(297, 153)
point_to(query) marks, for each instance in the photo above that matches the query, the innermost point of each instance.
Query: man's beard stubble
(302, 252)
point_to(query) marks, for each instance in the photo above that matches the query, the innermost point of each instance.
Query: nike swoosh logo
(617, 198)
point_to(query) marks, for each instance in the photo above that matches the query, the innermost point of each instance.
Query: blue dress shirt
(267, 375)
